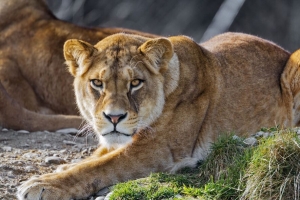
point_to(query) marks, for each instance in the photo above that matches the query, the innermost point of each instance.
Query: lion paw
(38, 188)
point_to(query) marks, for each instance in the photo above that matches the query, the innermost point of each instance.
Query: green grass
(270, 170)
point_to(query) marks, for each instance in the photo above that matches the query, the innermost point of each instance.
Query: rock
(259, 134)
(63, 151)
(107, 196)
(7, 148)
(23, 131)
(100, 198)
(47, 145)
(266, 134)
(251, 141)
(54, 160)
(25, 145)
(235, 137)
(76, 160)
(10, 174)
(30, 169)
(103, 192)
(4, 129)
(67, 142)
(68, 131)
(18, 163)
(30, 155)
(85, 151)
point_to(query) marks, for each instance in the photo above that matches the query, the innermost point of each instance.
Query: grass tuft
(233, 170)
(274, 168)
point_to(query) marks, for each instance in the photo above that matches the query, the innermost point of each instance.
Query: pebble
(30, 169)
(76, 160)
(30, 155)
(259, 134)
(67, 131)
(103, 192)
(25, 145)
(63, 151)
(10, 174)
(18, 163)
(23, 131)
(54, 160)
(235, 137)
(85, 151)
(47, 145)
(100, 198)
(67, 142)
(251, 141)
(266, 134)
(108, 196)
(7, 148)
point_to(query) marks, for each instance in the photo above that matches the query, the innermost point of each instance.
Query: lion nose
(115, 119)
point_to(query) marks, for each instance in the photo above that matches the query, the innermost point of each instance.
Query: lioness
(157, 104)
(35, 88)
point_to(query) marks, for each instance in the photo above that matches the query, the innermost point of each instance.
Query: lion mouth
(117, 133)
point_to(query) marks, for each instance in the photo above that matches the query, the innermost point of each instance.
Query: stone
(47, 145)
(7, 148)
(67, 131)
(76, 160)
(266, 134)
(4, 129)
(30, 169)
(63, 151)
(108, 196)
(30, 155)
(103, 192)
(23, 131)
(259, 134)
(25, 145)
(100, 198)
(251, 141)
(235, 137)
(54, 160)
(67, 142)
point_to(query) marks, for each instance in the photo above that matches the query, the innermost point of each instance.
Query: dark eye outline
(137, 85)
(98, 85)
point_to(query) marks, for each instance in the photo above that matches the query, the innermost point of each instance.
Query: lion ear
(78, 55)
(158, 53)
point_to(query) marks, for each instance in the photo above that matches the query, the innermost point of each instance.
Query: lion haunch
(157, 104)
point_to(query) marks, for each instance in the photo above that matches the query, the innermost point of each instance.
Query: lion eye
(136, 83)
(96, 83)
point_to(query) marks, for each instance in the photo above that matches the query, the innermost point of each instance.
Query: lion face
(119, 84)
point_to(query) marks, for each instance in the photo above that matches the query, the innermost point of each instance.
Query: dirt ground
(24, 154)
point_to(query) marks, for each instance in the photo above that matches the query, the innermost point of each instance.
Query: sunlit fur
(190, 94)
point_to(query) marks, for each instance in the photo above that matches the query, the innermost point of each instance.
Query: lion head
(121, 83)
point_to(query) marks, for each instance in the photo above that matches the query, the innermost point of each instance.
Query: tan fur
(191, 94)
(36, 90)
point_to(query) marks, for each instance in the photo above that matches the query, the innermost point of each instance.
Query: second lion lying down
(157, 104)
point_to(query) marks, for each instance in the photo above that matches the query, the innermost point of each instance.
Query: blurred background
(275, 20)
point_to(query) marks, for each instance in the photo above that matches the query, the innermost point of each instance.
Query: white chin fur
(115, 141)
